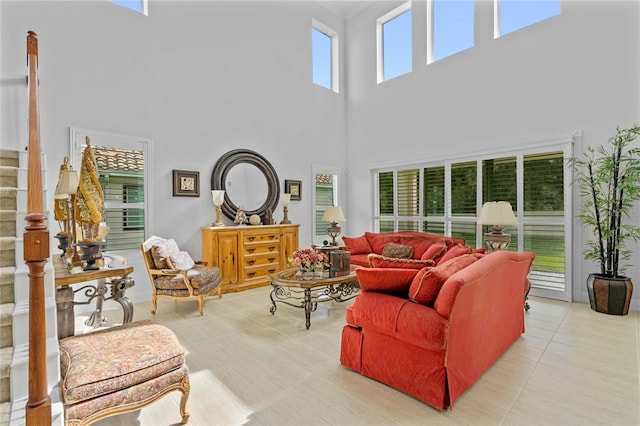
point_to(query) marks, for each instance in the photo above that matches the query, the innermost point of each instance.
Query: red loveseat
(372, 242)
(436, 351)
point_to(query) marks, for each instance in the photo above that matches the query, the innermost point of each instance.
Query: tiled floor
(573, 366)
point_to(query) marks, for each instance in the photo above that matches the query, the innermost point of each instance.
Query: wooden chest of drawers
(246, 255)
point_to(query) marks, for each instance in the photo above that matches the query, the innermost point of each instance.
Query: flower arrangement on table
(309, 260)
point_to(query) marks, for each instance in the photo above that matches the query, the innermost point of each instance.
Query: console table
(115, 280)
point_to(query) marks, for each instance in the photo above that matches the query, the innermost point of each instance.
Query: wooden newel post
(36, 254)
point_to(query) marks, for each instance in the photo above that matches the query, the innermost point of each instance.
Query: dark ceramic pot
(609, 295)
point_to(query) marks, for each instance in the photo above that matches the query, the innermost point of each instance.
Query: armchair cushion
(180, 260)
(203, 279)
(161, 250)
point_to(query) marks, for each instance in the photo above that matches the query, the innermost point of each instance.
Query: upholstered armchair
(173, 273)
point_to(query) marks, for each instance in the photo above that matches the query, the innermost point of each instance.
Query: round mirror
(250, 183)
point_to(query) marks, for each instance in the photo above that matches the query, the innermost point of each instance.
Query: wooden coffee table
(306, 292)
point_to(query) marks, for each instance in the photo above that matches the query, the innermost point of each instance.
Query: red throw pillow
(385, 280)
(357, 245)
(380, 261)
(378, 241)
(427, 283)
(419, 244)
(458, 250)
(434, 251)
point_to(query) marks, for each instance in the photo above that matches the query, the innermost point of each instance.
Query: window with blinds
(122, 166)
(122, 179)
(326, 194)
(445, 199)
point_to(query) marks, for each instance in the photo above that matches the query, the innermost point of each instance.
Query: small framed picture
(186, 183)
(293, 187)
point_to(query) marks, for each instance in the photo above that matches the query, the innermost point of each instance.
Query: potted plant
(609, 181)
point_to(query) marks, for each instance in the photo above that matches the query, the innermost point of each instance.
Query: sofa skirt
(413, 370)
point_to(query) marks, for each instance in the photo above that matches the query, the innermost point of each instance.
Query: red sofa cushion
(385, 280)
(458, 250)
(360, 259)
(357, 245)
(378, 241)
(427, 283)
(434, 251)
(419, 244)
(380, 261)
(398, 317)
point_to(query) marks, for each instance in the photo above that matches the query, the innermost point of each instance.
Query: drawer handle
(251, 262)
(271, 271)
(251, 250)
(251, 238)
(251, 274)
(271, 237)
(271, 259)
(271, 248)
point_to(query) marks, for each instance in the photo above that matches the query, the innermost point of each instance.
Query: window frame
(380, 39)
(497, 30)
(562, 143)
(144, 6)
(98, 138)
(431, 39)
(335, 54)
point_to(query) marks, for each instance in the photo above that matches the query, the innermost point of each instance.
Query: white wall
(575, 72)
(198, 78)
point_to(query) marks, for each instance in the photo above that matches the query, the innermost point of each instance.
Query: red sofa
(372, 242)
(436, 351)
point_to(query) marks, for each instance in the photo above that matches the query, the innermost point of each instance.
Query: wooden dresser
(246, 255)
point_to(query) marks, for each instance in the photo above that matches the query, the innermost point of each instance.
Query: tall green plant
(609, 180)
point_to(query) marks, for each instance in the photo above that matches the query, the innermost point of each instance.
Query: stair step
(9, 158)
(8, 177)
(8, 198)
(8, 223)
(7, 275)
(6, 326)
(6, 356)
(7, 251)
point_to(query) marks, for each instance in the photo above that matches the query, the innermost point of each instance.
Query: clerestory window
(324, 48)
(394, 43)
(512, 15)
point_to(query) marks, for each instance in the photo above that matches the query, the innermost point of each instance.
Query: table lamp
(217, 196)
(66, 189)
(285, 199)
(334, 215)
(498, 214)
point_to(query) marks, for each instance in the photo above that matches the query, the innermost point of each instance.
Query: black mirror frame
(239, 156)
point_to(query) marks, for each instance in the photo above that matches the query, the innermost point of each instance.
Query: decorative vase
(91, 251)
(63, 242)
(609, 295)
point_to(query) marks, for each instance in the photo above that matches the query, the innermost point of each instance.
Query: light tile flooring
(573, 366)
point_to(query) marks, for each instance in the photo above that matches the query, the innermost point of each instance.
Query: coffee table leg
(308, 307)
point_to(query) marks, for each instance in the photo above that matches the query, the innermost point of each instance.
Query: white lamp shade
(285, 199)
(334, 214)
(67, 185)
(498, 213)
(218, 197)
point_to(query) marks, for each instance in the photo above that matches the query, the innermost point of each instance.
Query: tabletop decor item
(608, 177)
(89, 208)
(241, 217)
(309, 261)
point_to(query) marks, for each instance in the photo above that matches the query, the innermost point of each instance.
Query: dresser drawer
(261, 259)
(261, 271)
(259, 249)
(260, 237)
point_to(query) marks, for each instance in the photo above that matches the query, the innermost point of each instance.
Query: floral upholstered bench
(120, 369)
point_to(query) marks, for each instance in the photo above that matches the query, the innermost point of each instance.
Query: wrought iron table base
(306, 299)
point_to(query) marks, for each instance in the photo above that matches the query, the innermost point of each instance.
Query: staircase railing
(36, 254)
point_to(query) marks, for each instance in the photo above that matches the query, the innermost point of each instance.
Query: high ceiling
(345, 9)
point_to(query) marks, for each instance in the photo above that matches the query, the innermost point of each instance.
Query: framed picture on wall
(186, 183)
(293, 187)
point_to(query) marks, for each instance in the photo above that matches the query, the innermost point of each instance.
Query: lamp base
(495, 241)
